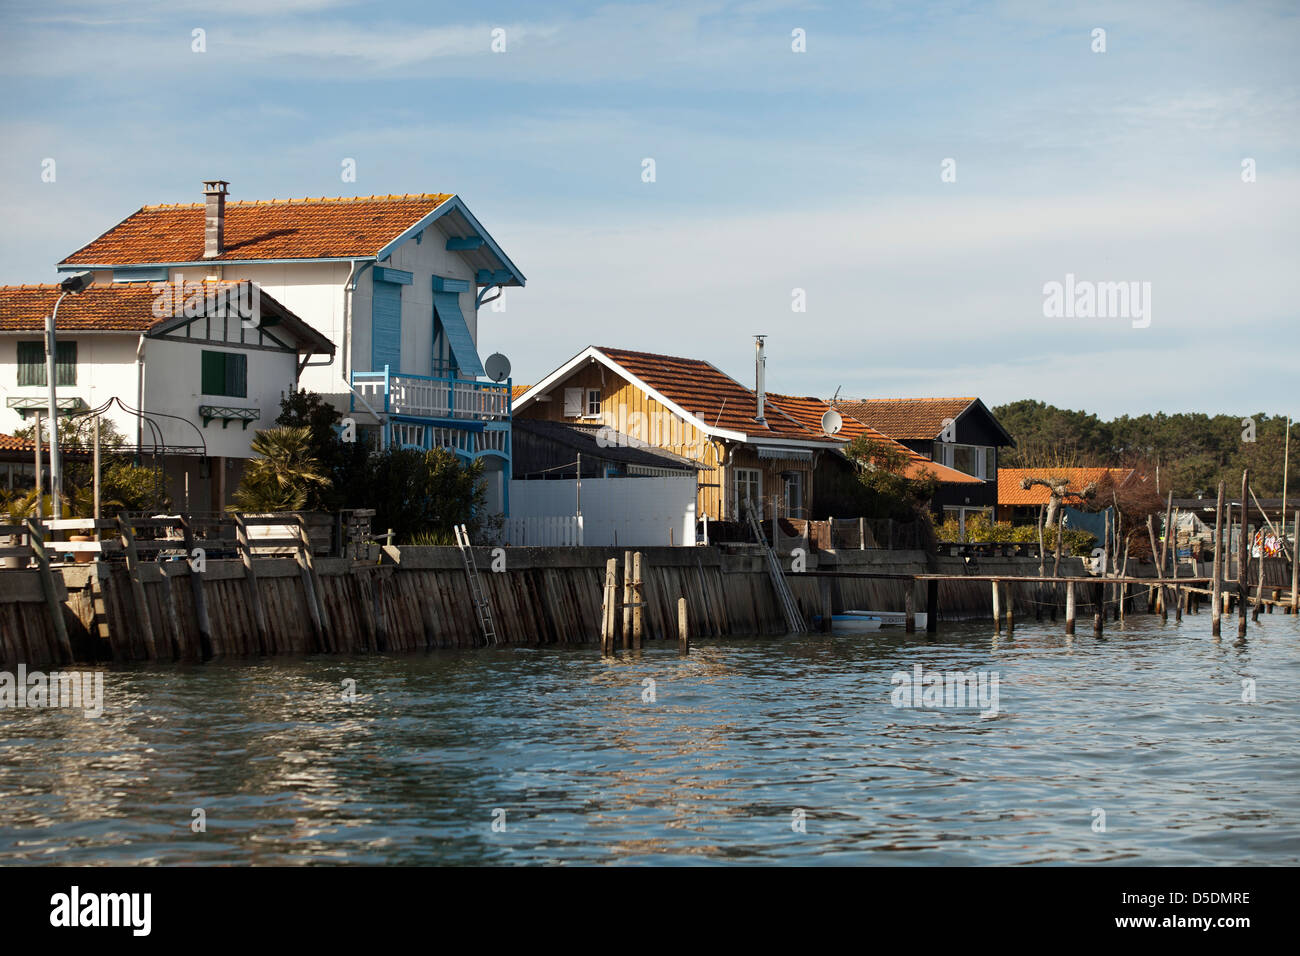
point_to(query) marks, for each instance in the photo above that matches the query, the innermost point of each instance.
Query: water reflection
(1149, 725)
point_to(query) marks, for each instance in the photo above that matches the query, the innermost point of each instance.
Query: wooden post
(683, 626)
(1216, 587)
(1098, 608)
(828, 608)
(36, 538)
(931, 607)
(1295, 565)
(143, 620)
(1171, 543)
(250, 583)
(627, 599)
(1243, 558)
(196, 593)
(315, 609)
(1011, 607)
(1069, 607)
(997, 607)
(862, 534)
(1259, 590)
(607, 608)
(638, 597)
(1158, 559)
(909, 606)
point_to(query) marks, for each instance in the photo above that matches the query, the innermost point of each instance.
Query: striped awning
(786, 454)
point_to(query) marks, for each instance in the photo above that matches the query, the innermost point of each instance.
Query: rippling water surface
(1147, 725)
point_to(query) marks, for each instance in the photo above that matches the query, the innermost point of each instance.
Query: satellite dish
(831, 422)
(497, 367)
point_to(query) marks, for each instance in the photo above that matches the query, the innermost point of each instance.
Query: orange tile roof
(122, 307)
(325, 228)
(10, 443)
(807, 411)
(906, 419)
(715, 397)
(1011, 494)
(517, 390)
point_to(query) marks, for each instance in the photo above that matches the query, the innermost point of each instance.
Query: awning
(788, 454)
(463, 351)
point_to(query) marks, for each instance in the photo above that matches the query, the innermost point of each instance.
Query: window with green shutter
(225, 373)
(31, 363)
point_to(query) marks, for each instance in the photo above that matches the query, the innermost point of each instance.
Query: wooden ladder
(476, 591)
(784, 596)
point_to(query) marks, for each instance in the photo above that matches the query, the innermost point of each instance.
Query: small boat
(849, 624)
(886, 618)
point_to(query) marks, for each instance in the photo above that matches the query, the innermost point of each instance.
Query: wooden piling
(683, 626)
(1011, 606)
(997, 607)
(1243, 559)
(627, 599)
(1069, 607)
(1098, 609)
(36, 539)
(250, 583)
(1295, 565)
(607, 607)
(909, 607)
(638, 598)
(931, 607)
(137, 586)
(197, 595)
(1217, 586)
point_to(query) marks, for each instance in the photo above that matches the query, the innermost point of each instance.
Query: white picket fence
(549, 531)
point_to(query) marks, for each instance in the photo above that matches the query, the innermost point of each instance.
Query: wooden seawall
(418, 598)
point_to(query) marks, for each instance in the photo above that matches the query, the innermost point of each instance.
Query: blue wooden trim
(140, 274)
(464, 243)
(455, 203)
(460, 424)
(399, 276)
(443, 284)
(492, 276)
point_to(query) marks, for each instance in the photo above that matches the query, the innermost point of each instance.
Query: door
(386, 327)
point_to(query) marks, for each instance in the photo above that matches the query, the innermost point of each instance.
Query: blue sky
(775, 170)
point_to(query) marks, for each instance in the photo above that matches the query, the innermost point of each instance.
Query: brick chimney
(214, 218)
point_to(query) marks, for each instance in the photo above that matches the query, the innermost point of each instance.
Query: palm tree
(285, 474)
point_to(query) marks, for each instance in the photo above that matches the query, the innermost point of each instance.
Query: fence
(646, 511)
(546, 531)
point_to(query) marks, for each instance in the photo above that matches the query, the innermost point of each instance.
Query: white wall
(642, 511)
(105, 367)
(173, 379)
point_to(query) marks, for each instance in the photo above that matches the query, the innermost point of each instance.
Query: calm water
(1147, 725)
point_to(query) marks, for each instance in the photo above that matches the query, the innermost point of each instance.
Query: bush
(980, 529)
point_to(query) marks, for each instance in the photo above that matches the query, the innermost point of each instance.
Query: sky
(887, 204)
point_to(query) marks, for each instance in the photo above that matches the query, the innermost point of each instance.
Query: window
(225, 373)
(593, 403)
(31, 363)
(975, 460)
(749, 491)
(794, 494)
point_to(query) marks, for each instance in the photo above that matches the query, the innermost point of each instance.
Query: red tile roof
(1011, 494)
(10, 443)
(808, 411)
(906, 419)
(124, 307)
(715, 397)
(325, 228)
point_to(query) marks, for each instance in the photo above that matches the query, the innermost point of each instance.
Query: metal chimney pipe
(760, 365)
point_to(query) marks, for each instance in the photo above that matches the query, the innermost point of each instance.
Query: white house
(395, 282)
(186, 380)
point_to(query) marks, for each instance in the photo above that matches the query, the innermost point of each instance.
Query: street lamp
(69, 286)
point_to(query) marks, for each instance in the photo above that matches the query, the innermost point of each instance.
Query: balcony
(432, 398)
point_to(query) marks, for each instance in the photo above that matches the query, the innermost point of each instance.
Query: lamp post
(69, 286)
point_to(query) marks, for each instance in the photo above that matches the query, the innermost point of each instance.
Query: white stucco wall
(105, 367)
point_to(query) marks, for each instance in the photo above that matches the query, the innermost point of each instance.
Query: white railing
(551, 531)
(423, 396)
